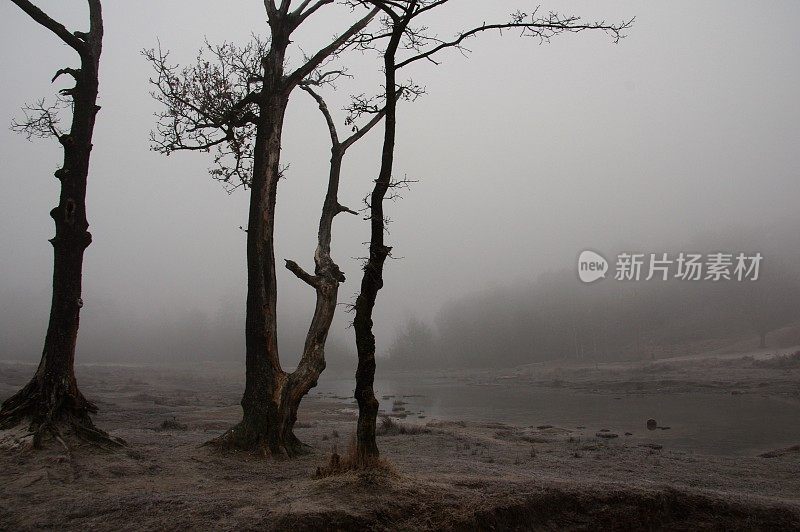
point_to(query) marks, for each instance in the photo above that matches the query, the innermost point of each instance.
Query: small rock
(652, 424)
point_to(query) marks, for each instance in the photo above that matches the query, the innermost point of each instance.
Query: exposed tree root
(265, 443)
(58, 413)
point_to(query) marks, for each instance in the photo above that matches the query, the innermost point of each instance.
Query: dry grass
(461, 476)
(390, 427)
(351, 461)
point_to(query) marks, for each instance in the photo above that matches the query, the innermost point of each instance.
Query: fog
(525, 154)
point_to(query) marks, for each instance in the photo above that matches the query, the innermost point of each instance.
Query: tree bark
(264, 425)
(51, 401)
(372, 280)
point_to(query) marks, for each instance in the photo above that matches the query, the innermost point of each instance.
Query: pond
(705, 423)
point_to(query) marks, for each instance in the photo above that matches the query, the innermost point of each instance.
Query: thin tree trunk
(372, 280)
(51, 401)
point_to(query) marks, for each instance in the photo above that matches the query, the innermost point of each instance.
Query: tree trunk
(51, 401)
(272, 396)
(264, 426)
(372, 280)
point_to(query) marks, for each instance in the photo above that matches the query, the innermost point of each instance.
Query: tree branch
(56, 27)
(95, 26)
(543, 28)
(323, 107)
(301, 274)
(355, 137)
(300, 14)
(342, 208)
(298, 75)
(41, 120)
(71, 71)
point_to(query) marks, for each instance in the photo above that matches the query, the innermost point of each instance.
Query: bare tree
(401, 32)
(233, 101)
(51, 401)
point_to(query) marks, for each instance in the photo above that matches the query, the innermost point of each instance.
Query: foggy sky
(525, 155)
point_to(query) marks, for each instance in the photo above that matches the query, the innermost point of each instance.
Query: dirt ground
(442, 475)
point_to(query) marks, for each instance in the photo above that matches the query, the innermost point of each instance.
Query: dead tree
(51, 401)
(401, 32)
(235, 104)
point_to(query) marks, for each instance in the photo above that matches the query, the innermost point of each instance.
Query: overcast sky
(525, 155)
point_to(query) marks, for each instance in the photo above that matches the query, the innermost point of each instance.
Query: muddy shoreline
(444, 474)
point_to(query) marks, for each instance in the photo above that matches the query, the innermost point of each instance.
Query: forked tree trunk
(51, 401)
(272, 396)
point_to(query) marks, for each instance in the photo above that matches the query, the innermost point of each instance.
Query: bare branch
(301, 274)
(56, 27)
(300, 14)
(342, 208)
(359, 133)
(317, 59)
(75, 73)
(40, 120)
(531, 25)
(323, 107)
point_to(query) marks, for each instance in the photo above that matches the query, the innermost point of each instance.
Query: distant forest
(558, 317)
(551, 316)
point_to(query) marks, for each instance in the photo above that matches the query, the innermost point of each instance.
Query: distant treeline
(558, 317)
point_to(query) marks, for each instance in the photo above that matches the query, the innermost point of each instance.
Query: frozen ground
(446, 473)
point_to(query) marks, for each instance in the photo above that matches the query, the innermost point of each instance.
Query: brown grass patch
(351, 461)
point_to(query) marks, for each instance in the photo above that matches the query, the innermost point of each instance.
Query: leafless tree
(404, 40)
(233, 101)
(51, 401)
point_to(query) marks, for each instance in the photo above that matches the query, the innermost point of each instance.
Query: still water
(704, 423)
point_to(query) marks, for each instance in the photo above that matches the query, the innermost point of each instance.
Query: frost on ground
(443, 474)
